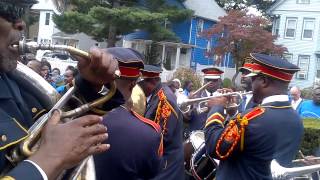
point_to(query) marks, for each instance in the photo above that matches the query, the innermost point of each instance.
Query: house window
(288, 57)
(303, 1)
(318, 67)
(307, 31)
(208, 48)
(47, 19)
(303, 63)
(291, 25)
(200, 26)
(276, 25)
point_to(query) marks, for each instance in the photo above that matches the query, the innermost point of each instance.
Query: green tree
(261, 5)
(30, 18)
(240, 34)
(184, 74)
(108, 20)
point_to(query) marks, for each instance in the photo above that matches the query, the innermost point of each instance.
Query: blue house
(191, 51)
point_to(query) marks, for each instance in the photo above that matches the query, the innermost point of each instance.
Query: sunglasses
(11, 12)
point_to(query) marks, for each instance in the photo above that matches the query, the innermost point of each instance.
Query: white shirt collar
(295, 103)
(275, 98)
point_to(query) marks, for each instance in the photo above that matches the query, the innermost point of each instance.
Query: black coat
(273, 134)
(135, 147)
(173, 135)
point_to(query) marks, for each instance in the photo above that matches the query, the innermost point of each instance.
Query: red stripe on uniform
(148, 121)
(129, 72)
(272, 72)
(150, 74)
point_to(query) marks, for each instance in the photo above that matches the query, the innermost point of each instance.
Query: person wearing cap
(62, 145)
(246, 84)
(136, 141)
(162, 109)
(212, 77)
(248, 143)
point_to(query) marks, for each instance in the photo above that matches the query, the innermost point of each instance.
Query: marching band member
(162, 108)
(213, 76)
(62, 145)
(136, 141)
(248, 143)
(246, 84)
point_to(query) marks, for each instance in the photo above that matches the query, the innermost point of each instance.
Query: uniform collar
(275, 98)
(5, 91)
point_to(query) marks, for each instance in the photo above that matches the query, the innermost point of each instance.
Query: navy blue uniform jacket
(134, 150)
(173, 136)
(274, 134)
(18, 111)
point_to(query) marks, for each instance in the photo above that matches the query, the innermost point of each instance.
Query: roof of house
(207, 9)
(44, 5)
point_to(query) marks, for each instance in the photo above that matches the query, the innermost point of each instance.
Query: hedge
(311, 138)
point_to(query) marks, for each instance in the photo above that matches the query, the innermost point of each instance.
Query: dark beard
(7, 64)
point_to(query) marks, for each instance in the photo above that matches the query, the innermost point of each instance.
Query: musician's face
(214, 84)
(257, 88)
(10, 34)
(246, 83)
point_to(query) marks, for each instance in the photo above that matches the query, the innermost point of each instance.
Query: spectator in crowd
(45, 69)
(69, 75)
(70, 67)
(178, 87)
(296, 99)
(311, 108)
(35, 65)
(55, 72)
(172, 86)
(187, 87)
(56, 77)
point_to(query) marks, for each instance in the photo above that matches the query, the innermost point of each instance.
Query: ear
(265, 82)
(132, 84)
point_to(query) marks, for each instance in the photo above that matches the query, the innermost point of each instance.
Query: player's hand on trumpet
(222, 100)
(99, 69)
(63, 146)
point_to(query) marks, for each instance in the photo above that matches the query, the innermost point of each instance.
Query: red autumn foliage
(240, 34)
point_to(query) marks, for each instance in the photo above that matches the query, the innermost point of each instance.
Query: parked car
(59, 60)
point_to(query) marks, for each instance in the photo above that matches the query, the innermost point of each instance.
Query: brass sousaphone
(51, 100)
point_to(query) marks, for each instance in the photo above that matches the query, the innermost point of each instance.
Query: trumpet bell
(139, 100)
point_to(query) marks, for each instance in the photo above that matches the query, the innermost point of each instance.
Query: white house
(296, 23)
(49, 34)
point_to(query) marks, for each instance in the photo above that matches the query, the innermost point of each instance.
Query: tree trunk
(112, 36)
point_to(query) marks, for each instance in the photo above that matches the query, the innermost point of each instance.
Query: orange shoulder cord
(233, 134)
(164, 110)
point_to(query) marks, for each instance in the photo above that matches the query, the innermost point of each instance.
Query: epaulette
(234, 132)
(163, 97)
(154, 126)
(164, 110)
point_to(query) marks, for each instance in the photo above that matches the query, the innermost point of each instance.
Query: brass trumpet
(28, 146)
(200, 89)
(185, 106)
